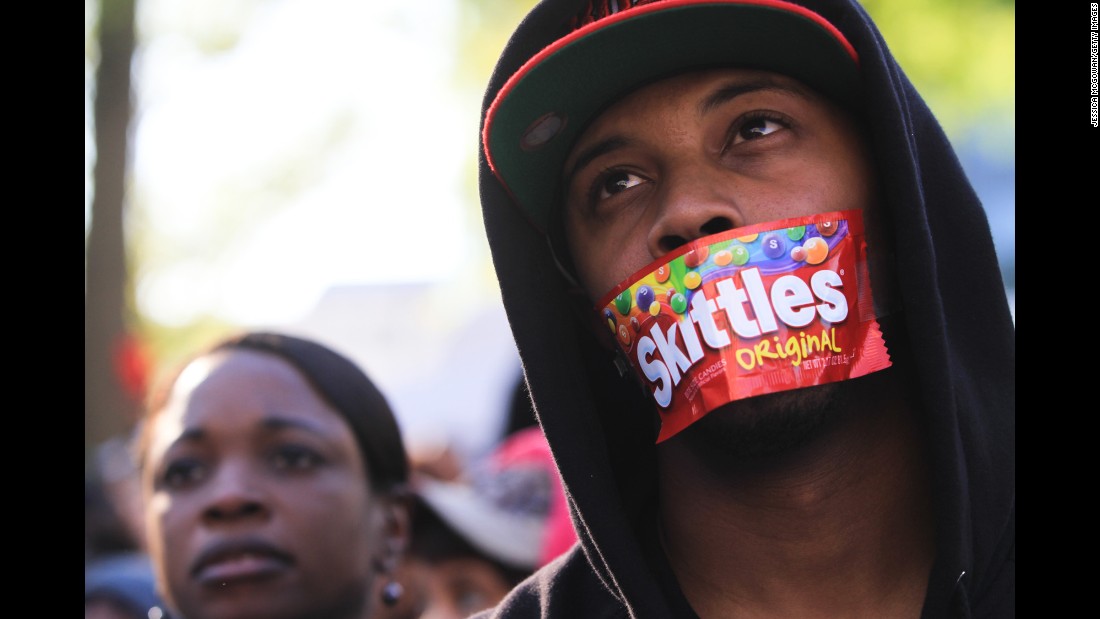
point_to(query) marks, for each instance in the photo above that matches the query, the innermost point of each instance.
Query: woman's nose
(693, 205)
(234, 493)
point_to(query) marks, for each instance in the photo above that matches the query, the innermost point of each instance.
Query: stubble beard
(766, 427)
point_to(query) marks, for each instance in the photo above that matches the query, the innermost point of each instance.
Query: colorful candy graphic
(662, 273)
(622, 302)
(774, 246)
(679, 303)
(816, 250)
(740, 254)
(696, 256)
(624, 335)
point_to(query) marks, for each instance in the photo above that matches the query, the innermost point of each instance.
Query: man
(866, 474)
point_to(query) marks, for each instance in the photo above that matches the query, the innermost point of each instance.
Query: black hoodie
(953, 302)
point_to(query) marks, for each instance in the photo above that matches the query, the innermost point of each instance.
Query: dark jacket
(953, 302)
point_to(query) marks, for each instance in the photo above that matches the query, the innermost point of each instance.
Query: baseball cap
(612, 47)
(511, 506)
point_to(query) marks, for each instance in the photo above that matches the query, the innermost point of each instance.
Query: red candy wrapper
(755, 310)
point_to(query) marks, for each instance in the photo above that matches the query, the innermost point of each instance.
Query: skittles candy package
(755, 310)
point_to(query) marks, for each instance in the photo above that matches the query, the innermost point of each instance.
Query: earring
(392, 592)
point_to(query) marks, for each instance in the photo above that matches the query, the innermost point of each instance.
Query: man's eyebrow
(589, 154)
(722, 95)
(733, 90)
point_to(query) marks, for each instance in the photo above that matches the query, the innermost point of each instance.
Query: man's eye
(755, 128)
(618, 181)
(295, 458)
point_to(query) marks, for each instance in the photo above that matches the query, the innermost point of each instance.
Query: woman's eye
(755, 128)
(183, 473)
(617, 181)
(295, 458)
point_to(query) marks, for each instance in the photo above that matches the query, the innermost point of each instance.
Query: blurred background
(310, 166)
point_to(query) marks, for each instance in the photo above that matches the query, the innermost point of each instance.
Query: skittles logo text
(748, 304)
(790, 300)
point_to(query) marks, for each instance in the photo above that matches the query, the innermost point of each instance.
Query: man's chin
(766, 426)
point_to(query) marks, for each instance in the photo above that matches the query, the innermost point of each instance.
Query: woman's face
(257, 499)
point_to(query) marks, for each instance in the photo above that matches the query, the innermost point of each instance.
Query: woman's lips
(241, 567)
(241, 559)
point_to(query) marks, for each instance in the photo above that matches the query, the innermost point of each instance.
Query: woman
(274, 484)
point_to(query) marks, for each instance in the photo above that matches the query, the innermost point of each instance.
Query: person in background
(118, 577)
(760, 314)
(105, 531)
(476, 537)
(121, 585)
(117, 474)
(274, 481)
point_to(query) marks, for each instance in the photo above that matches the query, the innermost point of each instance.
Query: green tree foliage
(961, 55)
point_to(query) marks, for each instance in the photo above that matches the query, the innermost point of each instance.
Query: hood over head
(948, 294)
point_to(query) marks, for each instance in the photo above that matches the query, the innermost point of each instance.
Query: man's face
(700, 153)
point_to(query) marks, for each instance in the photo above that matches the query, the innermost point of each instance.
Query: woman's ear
(395, 520)
(396, 531)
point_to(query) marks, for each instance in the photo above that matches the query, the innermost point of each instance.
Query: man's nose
(694, 204)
